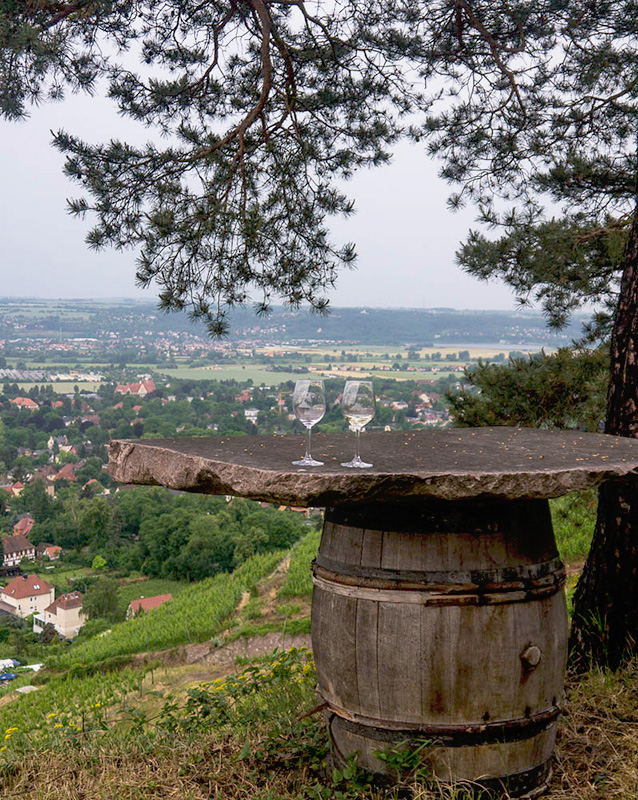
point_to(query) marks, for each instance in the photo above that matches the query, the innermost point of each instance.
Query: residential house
(60, 441)
(64, 613)
(23, 526)
(146, 604)
(25, 402)
(140, 389)
(96, 487)
(251, 414)
(66, 473)
(27, 594)
(52, 552)
(16, 548)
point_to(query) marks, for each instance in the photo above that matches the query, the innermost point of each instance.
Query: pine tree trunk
(605, 624)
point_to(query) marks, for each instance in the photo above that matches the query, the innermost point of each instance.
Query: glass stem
(357, 457)
(308, 456)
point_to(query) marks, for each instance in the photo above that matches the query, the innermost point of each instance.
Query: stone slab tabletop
(449, 464)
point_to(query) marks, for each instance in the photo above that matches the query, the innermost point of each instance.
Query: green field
(257, 373)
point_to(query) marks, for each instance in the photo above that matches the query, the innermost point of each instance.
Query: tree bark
(605, 623)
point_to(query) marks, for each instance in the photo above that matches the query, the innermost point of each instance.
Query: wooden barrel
(443, 621)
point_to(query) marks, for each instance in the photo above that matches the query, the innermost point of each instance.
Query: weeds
(253, 736)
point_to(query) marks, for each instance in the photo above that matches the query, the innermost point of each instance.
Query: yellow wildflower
(51, 715)
(58, 725)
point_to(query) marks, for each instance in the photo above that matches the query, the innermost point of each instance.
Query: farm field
(240, 373)
(290, 362)
(329, 352)
(330, 362)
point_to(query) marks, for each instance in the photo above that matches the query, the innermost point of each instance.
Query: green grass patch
(62, 578)
(150, 588)
(298, 581)
(574, 519)
(248, 630)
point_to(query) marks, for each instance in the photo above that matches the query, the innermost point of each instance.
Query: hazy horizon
(140, 298)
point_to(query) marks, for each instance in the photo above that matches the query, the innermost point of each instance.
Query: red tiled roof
(23, 526)
(134, 388)
(67, 473)
(25, 586)
(148, 603)
(25, 402)
(65, 601)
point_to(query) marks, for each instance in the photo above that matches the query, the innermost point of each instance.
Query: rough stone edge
(148, 464)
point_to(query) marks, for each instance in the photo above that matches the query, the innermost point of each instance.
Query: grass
(60, 577)
(574, 519)
(256, 735)
(248, 630)
(150, 588)
(298, 582)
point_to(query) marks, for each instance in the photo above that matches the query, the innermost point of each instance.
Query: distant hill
(99, 319)
(405, 326)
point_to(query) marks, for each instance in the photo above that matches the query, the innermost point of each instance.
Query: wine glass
(309, 405)
(357, 406)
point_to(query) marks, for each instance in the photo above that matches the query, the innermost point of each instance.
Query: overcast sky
(405, 236)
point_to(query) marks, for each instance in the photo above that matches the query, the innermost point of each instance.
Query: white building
(15, 548)
(65, 614)
(27, 594)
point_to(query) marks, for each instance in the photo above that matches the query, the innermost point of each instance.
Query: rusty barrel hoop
(444, 622)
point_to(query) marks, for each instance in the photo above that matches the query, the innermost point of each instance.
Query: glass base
(308, 461)
(356, 462)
